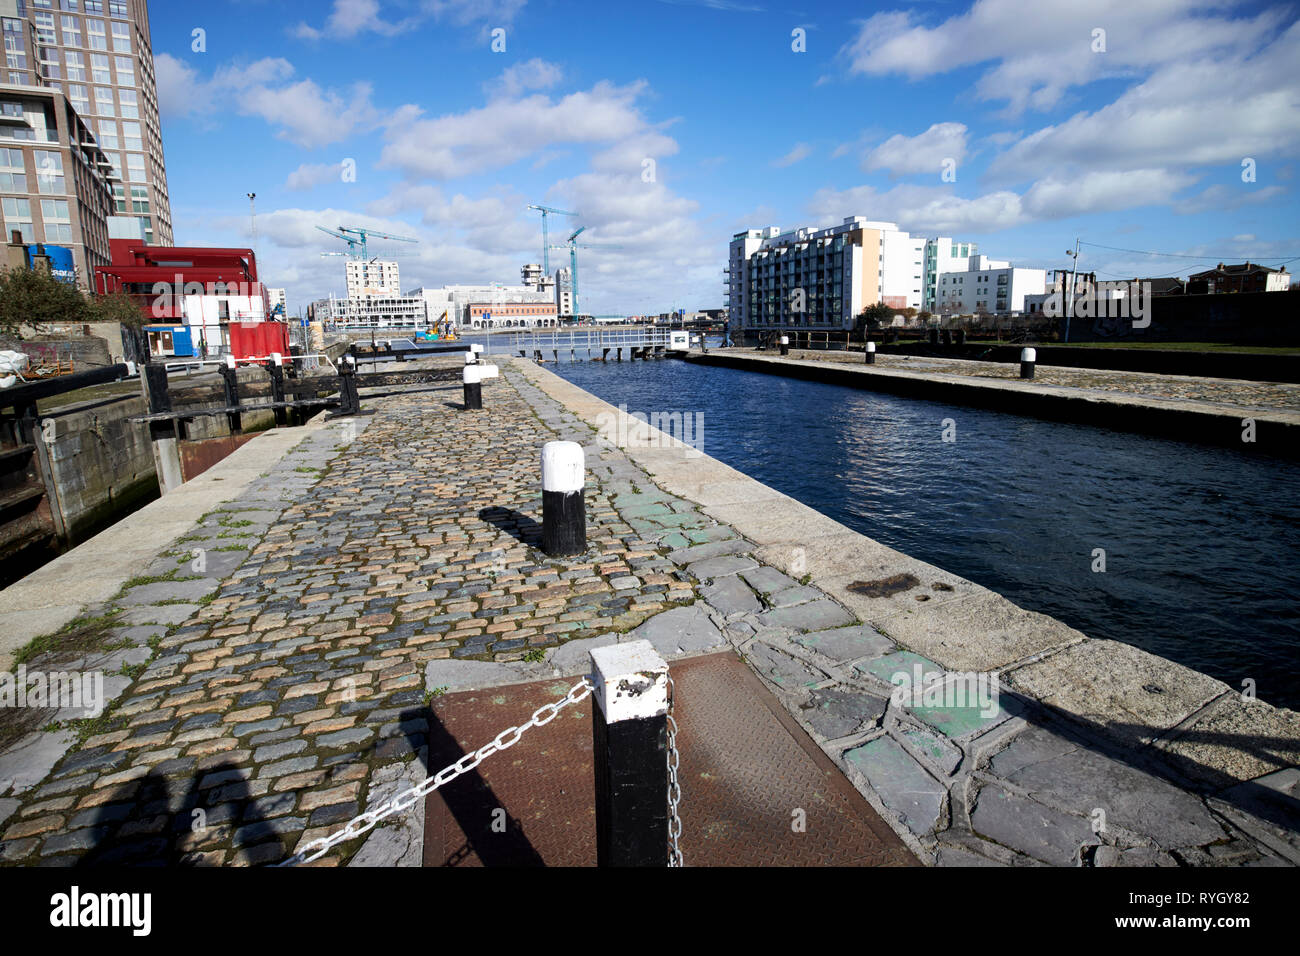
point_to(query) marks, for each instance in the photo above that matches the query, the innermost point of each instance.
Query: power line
(1172, 255)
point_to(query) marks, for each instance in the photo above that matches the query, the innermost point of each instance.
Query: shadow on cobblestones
(518, 525)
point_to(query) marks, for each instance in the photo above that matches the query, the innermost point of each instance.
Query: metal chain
(674, 786)
(507, 738)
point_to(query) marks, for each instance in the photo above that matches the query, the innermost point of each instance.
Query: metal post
(630, 754)
(473, 381)
(871, 353)
(276, 370)
(349, 397)
(564, 516)
(1028, 358)
(230, 381)
(166, 450)
(785, 345)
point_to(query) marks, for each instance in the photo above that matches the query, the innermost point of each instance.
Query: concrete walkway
(398, 563)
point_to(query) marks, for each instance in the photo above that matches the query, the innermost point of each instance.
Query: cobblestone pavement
(271, 692)
(1231, 392)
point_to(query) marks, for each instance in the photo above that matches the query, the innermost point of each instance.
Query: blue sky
(672, 125)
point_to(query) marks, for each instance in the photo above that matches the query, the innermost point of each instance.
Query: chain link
(674, 785)
(403, 801)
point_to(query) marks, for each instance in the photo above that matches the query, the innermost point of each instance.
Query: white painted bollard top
(563, 466)
(871, 346)
(476, 348)
(630, 681)
(473, 375)
(1028, 355)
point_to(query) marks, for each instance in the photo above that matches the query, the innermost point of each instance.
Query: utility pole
(1074, 269)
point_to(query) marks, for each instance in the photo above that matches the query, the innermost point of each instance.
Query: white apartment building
(373, 277)
(988, 285)
(406, 312)
(563, 292)
(278, 299)
(943, 254)
(535, 278)
(822, 278)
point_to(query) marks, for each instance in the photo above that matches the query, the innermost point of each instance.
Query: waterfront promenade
(281, 685)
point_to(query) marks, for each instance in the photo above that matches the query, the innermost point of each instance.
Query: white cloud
(305, 114)
(924, 153)
(350, 18)
(1222, 198)
(800, 152)
(311, 175)
(506, 131)
(1043, 49)
(534, 74)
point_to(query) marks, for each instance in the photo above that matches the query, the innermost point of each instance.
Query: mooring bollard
(1027, 359)
(473, 378)
(164, 434)
(564, 516)
(785, 345)
(477, 350)
(934, 336)
(871, 353)
(630, 754)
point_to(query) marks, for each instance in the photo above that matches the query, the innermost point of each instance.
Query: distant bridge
(642, 342)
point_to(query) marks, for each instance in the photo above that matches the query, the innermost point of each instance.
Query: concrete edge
(94, 571)
(834, 556)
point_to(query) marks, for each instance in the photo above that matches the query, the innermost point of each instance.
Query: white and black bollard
(1028, 357)
(477, 350)
(564, 516)
(871, 353)
(630, 754)
(471, 358)
(785, 345)
(473, 378)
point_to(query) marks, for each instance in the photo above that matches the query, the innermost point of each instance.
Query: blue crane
(546, 247)
(364, 233)
(573, 245)
(352, 243)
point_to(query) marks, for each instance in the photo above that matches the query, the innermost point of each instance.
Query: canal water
(1202, 544)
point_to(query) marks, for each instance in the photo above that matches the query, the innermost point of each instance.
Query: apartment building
(989, 286)
(943, 254)
(373, 277)
(515, 315)
(55, 182)
(564, 292)
(99, 54)
(452, 302)
(822, 278)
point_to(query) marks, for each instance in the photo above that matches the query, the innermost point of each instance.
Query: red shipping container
(258, 339)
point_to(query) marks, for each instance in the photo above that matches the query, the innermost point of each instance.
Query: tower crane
(365, 233)
(352, 243)
(573, 245)
(546, 247)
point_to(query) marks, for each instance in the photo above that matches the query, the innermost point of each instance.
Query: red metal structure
(159, 278)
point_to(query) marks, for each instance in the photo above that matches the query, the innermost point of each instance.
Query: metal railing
(574, 339)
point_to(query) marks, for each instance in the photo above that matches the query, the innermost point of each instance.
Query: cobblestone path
(1233, 392)
(263, 710)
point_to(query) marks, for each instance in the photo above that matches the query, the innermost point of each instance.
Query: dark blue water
(1202, 545)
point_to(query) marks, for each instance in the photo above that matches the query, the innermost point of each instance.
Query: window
(125, 70)
(45, 28)
(131, 136)
(129, 107)
(103, 101)
(94, 6)
(117, 8)
(49, 172)
(135, 168)
(18, 216)
(95, 34)
(13, 174)
(71, 31)
(121, 37)
(80, 98)
(108, 135)
(15, 45)
(139, 199)
(99, 68)
(119, 197)
(68, 5)
(76, 65)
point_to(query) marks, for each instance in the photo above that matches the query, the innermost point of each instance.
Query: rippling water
(1201, 543)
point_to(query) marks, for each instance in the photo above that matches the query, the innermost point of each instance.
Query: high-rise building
(821, 278)
(54, 185)
(563, 292)
(373, 278)
(943, 254)
(98, 53)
